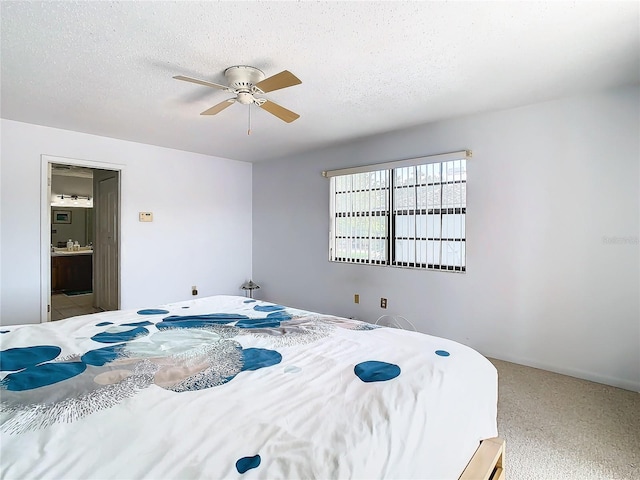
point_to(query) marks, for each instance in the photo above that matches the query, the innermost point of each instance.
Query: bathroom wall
(76, 230)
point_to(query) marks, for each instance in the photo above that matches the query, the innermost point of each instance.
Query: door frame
(45, 223)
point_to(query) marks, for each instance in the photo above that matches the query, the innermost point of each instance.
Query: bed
(231, 387)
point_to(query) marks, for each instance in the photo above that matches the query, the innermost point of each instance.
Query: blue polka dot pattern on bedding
(255, 358)
(42, 375)
(14, 359)
(247, 463)
(137, 324)
(375, 371)
(258, 323)
(442, 353)
(119, 336)
(102, 356)
(282, 316)
(199, 321)
(152, 311)
(272, 320)
(268, 308)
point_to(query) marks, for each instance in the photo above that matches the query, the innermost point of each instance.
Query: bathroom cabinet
(71, 272)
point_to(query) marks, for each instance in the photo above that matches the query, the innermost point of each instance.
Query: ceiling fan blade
(280, 112)
(201, 82)
(279, 80)
(219, 107)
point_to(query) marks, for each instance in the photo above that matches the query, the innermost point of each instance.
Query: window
(407, 214)
(361, 217)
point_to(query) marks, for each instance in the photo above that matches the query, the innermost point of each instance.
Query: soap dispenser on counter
(69, 245)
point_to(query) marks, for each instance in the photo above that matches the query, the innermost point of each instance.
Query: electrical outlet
(194, 290)
(383, 303)
(356, 298)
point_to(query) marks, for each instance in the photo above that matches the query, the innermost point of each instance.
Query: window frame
(393, 213)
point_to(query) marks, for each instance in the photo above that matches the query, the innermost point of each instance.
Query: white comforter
(282, 393)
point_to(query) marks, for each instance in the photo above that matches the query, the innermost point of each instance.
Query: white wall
(549, 186)
(201, 233)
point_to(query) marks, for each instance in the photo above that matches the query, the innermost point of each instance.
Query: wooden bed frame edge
(488, 462)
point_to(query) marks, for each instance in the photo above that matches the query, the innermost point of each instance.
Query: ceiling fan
(245, 83)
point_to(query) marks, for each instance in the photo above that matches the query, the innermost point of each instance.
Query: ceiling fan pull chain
(249, 130)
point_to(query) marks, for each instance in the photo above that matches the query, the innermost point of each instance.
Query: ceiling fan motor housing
(243, 77)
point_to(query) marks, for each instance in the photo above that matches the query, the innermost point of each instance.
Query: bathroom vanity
(71, 271)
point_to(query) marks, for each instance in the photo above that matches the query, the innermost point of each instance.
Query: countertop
(66, 253)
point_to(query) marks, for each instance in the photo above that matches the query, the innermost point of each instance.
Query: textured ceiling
(106, 68)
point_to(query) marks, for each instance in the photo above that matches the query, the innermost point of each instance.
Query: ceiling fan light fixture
(245, 98)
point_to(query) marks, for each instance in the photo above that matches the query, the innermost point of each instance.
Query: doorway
(81, 237)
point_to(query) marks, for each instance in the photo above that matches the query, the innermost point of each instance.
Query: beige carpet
(558, 427)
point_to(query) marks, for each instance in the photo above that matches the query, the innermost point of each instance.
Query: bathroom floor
(63, 306)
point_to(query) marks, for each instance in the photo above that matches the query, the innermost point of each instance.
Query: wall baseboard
(581, 374)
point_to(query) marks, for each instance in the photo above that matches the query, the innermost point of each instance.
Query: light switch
(146, 216)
